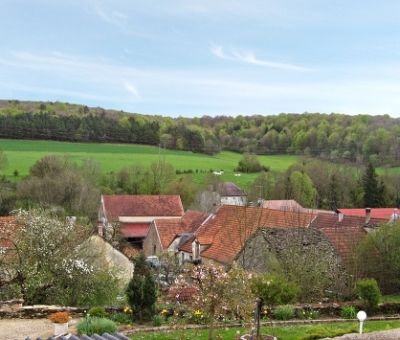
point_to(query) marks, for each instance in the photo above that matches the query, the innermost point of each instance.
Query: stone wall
(150, 241)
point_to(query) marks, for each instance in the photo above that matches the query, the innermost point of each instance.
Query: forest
(335, 137)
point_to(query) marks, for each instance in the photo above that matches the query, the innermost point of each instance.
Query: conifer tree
(141, 291)
(374, 190)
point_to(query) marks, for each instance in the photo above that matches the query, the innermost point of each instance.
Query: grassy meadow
(22, 154)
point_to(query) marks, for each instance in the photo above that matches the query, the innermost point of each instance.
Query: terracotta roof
(142, 205)
(227, 232)
(169, 228)
(344, 234)
(8, 226)
(230, 189)
(383, 213)
(134, 229)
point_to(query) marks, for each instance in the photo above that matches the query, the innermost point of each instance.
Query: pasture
(22, 154)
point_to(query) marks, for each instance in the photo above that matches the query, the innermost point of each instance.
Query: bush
(121, 318)
(250, 163)
(157, 320)
(273, 290)
(98, 312)
(348, 312)
(284, 313)
(369, 293)
(90, 326)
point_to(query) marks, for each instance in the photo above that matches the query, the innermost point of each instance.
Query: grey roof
(230, 189)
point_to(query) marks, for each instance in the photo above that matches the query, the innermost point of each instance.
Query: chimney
(100, 230)
(367, 215)
(339, 215)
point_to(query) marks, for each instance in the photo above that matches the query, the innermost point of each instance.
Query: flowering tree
(221, 293)
(48, 261)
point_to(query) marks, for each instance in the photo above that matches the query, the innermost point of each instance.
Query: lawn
(22, 154)
(283, 333)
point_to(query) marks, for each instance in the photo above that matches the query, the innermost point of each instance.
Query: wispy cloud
(248, 57)
(132, 89)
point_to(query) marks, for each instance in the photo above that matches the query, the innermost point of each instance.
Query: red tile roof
(169, 228)
(383, 213)
(142, 205)
(138, 230)
(8, 226)
(344, 234)
(292, 205)
(232, 226)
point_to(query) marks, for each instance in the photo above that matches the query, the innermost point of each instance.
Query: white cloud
(249, 57)
(132, 89)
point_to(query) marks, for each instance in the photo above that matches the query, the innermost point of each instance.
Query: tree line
(336, 137)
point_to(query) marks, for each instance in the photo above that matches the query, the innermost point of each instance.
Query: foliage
(301, 188)
(307, 314)
(378, 257)
(121, 318)
(98, 311)
(3, 160)
(95, 325)
(369, 293)
(348, 312)
(51, 264)
(157, 320)
(198, 317)
(284, 312)
(250, 163)
(59, 317)
(141, 291)
(374, 191)
(273, 290)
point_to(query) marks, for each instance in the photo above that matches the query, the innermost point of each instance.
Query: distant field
(22, 154)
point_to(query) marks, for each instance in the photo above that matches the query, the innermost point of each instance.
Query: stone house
(231, 194)
(225, 233)
(168, 234)
(132, 215)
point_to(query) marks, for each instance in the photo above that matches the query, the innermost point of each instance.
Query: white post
(361, 316)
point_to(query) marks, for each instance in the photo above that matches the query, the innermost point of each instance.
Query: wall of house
(267, 246)
(152, 241)
(233, 200)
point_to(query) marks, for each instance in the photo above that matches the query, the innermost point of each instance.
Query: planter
(60, 328)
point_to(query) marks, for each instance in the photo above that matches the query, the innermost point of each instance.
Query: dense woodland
(335, 137)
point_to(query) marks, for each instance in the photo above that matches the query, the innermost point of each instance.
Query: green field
(22, 154)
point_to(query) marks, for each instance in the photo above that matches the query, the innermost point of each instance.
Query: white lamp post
(361, 316)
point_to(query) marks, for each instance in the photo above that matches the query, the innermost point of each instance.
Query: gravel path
(19, 329)
(393, 334)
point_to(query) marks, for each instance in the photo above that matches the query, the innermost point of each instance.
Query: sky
(214, 57)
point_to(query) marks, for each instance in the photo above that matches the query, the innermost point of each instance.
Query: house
(231, 194)
(222, 237)
(345, 232)
(133, 214)
(167, 234)
(388, 214)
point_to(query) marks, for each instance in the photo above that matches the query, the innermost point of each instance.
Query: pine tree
(333, 193)
(141, 291)
(373, 190)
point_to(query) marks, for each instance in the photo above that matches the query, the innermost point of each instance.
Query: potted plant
(60, 322)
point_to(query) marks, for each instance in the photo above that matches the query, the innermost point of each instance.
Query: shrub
(157, 320)
(369, 293)
(250, 163)
(198, 317)
(273, 290)
(90, 326)
(348, 312)
(99, 312)
(121, 318)
(284, 313)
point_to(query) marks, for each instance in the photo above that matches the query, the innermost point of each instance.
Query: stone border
(168, 329)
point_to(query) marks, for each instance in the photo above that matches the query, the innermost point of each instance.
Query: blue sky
(187, 57)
